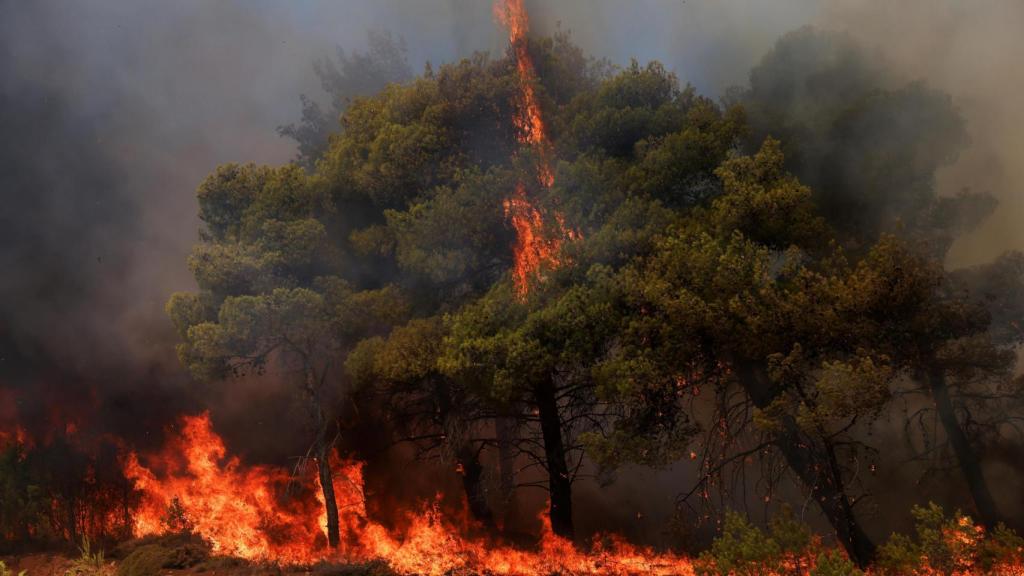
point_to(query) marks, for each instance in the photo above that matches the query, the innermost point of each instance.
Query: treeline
(61, 490)
(757, 280)
(758, 283)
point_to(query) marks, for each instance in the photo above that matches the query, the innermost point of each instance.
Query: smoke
(971, 51)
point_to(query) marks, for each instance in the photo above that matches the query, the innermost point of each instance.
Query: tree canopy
(759, 277)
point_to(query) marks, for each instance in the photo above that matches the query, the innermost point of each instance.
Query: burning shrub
(950, 544)
(176, 521)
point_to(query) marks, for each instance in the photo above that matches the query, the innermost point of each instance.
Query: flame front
(263, 513)
(533, 249)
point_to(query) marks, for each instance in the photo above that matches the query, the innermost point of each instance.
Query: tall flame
(532, 249)
(246, 511)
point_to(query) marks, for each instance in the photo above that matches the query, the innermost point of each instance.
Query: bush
(949, 544)
(145, 561)
(788, 547)
(89, 562)
(148, 555)
(834, 563)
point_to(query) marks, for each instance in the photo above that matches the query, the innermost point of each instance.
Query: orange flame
(244, 511)
(532, 249)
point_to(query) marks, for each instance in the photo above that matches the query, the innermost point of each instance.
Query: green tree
(271, 293)
(344, 78)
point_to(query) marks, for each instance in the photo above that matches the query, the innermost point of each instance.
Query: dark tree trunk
(965, 454)
(559, 483)
(814, 463)
(506, 435)
(323, 462)
(466, 456)
(472, 483)
(322, 452)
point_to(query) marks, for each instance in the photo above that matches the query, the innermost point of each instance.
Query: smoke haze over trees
(820, 220)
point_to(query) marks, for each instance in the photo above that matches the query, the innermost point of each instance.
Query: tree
(429, 409)
(270, 294)
(343, 79)
(865, 140)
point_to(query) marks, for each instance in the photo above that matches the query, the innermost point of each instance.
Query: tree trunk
(965, 454)
(559, 483)
(323, 463)
(814, 463)
(472, 483)
(466, 457)
(506, 434)
(322, 451)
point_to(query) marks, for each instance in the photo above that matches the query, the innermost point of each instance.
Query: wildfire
(242, 511)
(249, 512)
(532, 249)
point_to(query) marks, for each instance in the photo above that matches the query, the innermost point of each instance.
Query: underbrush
(942, 544)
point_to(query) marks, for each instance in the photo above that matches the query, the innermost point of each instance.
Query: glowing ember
(532, 249)
(246, 511)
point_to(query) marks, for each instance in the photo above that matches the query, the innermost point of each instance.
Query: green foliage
(22, 500)
(695, 268)
(344, 78)
(745, 550)
(949, 544)
(638, 103)
(834, 563)
(787, 547)
(867, 142)
(764, 203)
(90, 562)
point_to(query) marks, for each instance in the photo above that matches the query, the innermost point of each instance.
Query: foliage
(22, 502)
(743, 549)
(89, 562)
(947, 544)
(834, 563)
(868, 142)
(757, 279)
(344, 78)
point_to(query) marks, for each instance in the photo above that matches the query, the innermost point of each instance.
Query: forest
(535, 273)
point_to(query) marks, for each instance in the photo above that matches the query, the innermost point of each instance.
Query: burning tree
(584, 255)
(271, 295)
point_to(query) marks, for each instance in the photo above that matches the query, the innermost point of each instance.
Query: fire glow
(267, 514)
(533, 249)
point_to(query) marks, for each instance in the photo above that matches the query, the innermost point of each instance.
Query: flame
(242, 511)
(245, 511)
(532, 249)
(16, 437)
